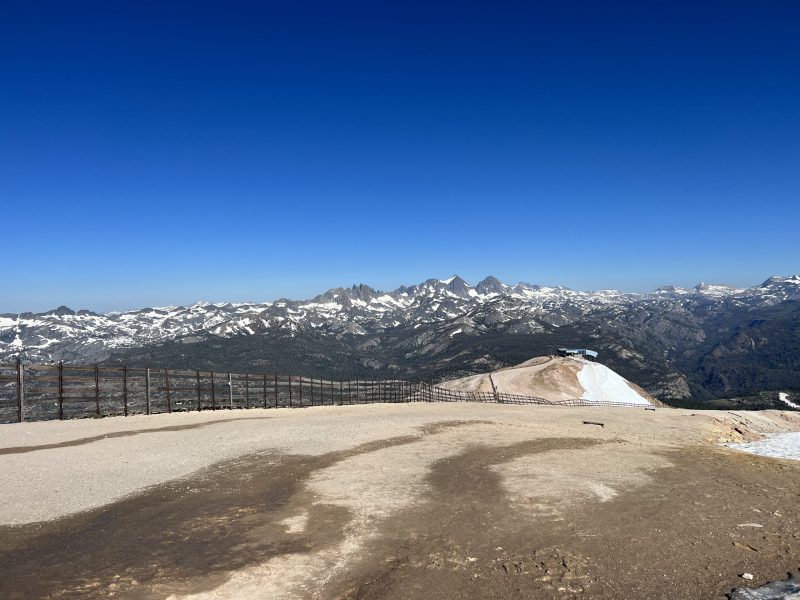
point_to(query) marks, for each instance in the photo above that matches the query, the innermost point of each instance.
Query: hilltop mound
(557, 378)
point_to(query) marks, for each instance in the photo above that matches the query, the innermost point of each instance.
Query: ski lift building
(582, 352)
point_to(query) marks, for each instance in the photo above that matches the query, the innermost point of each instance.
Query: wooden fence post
(341, 392)
(247, 390)
(199, 394)
(20, 391)
(169, 396)
(97, 389)
(213, 393)
(311, 385)
(61, 389)
(230, 391)
(276, 390)
(290, 390)
(265, 390)
(147, 390)
(125, 390)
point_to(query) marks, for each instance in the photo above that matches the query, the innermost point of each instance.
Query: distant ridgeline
(682, 345)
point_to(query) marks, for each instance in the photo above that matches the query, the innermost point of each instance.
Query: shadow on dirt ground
(690, 533)
(184, 536)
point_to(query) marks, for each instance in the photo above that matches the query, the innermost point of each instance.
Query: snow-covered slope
(600, 384)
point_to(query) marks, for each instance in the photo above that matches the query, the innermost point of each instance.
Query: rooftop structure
(582, 352)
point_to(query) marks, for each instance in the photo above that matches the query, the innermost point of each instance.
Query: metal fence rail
(59, 391)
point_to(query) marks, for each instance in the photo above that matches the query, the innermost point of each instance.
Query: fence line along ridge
(62, 391)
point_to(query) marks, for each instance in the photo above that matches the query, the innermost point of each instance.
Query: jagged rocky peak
(457, 286)
(345, 296)
(61, 311)
(490, 285)
(363, 292)
(340, 295)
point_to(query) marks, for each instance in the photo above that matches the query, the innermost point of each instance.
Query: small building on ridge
(582, 352)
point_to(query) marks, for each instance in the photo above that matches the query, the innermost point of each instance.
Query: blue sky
(156, 154)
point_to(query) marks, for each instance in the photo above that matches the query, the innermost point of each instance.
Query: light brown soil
(398, 501)
(553, 379)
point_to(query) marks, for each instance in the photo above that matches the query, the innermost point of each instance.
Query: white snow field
(784, 445)
(601, 384)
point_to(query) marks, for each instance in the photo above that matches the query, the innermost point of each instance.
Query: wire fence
(60, 391)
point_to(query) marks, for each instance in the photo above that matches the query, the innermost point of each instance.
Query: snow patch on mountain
(601, 384)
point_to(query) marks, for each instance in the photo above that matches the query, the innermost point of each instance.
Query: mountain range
(710, 341)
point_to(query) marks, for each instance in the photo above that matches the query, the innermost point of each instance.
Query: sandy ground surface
(396, 501)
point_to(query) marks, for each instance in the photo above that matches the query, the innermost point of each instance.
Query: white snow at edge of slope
(601, 384)
(784, 397)
(784, 445)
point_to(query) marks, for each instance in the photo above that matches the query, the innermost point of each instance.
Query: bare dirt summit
(558, 379)
(429, 501)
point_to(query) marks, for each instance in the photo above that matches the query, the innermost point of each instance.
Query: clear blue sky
(165, 152)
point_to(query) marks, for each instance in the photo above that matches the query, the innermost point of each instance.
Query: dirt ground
(396, 501)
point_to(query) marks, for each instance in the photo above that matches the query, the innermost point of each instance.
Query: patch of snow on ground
(601, 384)
(784, 397)
(784, 445)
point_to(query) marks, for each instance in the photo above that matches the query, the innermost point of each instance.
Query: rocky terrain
(688, 345)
